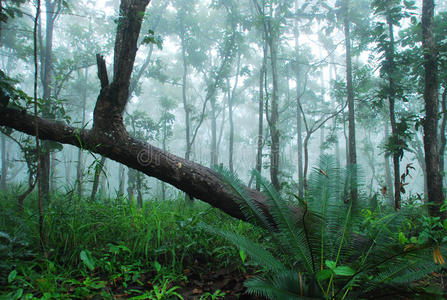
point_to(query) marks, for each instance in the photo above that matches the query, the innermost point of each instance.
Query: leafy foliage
(318, 249)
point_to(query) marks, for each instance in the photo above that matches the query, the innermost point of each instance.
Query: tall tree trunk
(36, 130)
(388, 178)
(274, 115)
(1, 23)
(98, 169)
(80, 167)
(434, 177)
(443, 128)
(231, 138)
(419, 153)
(139, 190)
(213, 148)
(52, 11)
(323, 94)
(350, 91)
(4, 163)
(262, 74)
(299, 129)
(391, 99)
(121, 179)
(231, 94)
(53, 171)
(163, 185)
(186, 106)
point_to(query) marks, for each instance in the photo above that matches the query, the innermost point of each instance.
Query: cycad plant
(319, 251)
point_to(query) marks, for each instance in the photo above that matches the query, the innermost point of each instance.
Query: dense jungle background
(222, 149)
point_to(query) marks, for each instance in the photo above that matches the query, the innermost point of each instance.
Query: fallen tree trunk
(108, 136)
(196, 180)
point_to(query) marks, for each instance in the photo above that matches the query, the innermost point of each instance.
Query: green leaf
(157, 266)
(243, 255)
(344, 271)
(87, 259)
(331, 264)
(324, 274)
(12, 276)
(402, 238)
(18, 294)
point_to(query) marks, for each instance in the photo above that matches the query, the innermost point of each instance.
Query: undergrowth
(111, 247)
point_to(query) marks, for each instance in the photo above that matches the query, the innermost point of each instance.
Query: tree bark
(213, 148)
(434, 177)
(274, 116)
(391, 99)
(419, 153)
(4, 163)
(186, 106)
(80, 166)
(443, 128)
(165, 132)
(121, 179)
(262, 73)
(98, 169)
(52, 11)
(388, 178)
(351, 113)
(231, 94)
(299, 129)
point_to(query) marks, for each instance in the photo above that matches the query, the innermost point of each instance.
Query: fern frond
(248, 206)
(287, 224)
(278, 288)
(254, 250)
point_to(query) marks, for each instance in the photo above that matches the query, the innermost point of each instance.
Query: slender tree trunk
(139, 191)
(262, 74)
(333, 72)
(121, 179)
(163, 185)
(388, 178)
(4, 163)
(231, 94)
(231, 138)
(213, 148)
(391, 99)
(274, 116)
(52, 10)
(306, 159)
(350, 91)
(98, 169)
(443, 128)
(221, 130)
(1, 23)
(53, 172)
(80, 167)
(419, 152)
(434, 177)
(323, 94)
(186, 106)
(36, 132)
(102, 180)
(299, 129)
(67, 166)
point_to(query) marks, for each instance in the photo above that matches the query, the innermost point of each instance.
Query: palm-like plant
(317, 252)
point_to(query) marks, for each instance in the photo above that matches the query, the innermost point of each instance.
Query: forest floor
(112, 249)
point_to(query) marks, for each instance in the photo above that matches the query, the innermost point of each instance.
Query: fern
(317, 252)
